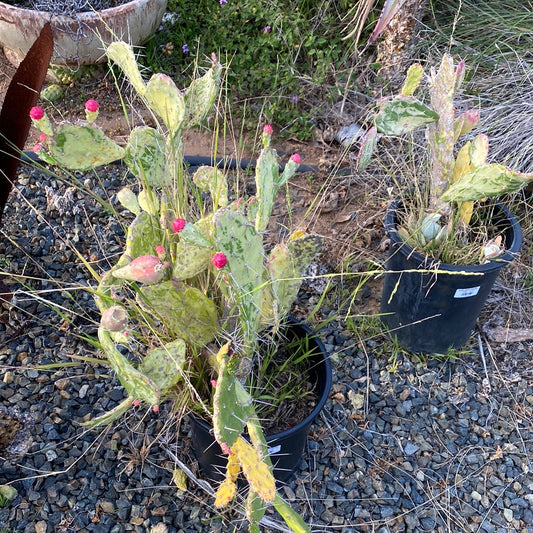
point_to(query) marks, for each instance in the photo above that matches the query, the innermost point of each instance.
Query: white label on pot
(274, 449)
(466, 293)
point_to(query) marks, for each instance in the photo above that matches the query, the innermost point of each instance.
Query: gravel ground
(412, 447)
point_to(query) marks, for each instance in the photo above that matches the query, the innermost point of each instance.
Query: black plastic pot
(285, 448)
(431, 312)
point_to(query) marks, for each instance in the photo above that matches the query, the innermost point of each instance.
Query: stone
(508, 514)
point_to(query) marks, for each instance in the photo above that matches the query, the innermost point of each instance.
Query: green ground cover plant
(280, 53)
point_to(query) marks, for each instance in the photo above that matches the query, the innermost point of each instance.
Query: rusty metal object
(21, 96)
(79, 40)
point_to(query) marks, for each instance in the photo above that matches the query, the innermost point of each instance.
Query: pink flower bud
(155, 408)
(267, 129)
(136, 403)
(296, 158)
(42, 137)
(213, 383)
(37, 148)
(220, 260)
(36, 113)
(91, 105)
(146, 269)
(178, 224)
(160, 251)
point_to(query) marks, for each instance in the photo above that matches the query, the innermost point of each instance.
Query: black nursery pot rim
(428, 262)
(323, 394)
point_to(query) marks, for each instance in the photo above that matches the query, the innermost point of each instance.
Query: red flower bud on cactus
(37, 148)
(42, 137)
(178, 224)
(213, 383)
(91, 105)
(220, 260)
(160, 251)
(267, 129)
(296, 158)
(155, 408)
(36, 113)
(136, 403)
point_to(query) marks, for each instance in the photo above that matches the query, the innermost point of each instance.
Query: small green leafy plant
(194, 270)
(280, 52)
(456, 179)
(7, 493)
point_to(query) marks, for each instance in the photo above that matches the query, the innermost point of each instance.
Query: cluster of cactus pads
(191, 276)
(456, 178)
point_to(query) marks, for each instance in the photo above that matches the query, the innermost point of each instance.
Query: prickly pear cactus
(164, 365)
(267, 185)
(236, 237)
(185, 311)
(201, 95)
(128, 199)
(143, 232)
(454, 178)
(122, 54)
(487, 180)
(188, 272)
(286, 264)
(52, 93)
(228, 488)
(232, 405)
(256, 471)
(136, 383)
(82, 147)
(214, 181)
(166, 100)
(190, 260)
(412, 79)
(145, 157)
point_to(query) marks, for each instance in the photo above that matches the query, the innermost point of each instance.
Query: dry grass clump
(507, 111)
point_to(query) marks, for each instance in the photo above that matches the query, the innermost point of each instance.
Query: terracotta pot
(78, 40)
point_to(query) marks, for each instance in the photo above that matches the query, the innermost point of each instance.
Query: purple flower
(222, 2)
(294, 99)
(185, 48)
(267, 29)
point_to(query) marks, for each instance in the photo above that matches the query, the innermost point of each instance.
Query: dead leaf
(179, 478)
(498, 454)
(344, 218)
(503, 334)
(339, 397)
(357, 400)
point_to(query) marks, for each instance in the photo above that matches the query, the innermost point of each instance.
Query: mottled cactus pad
(186, 312)
(82, 147)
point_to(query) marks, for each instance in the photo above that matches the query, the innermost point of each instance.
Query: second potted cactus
(449, 238)
(196, 285)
